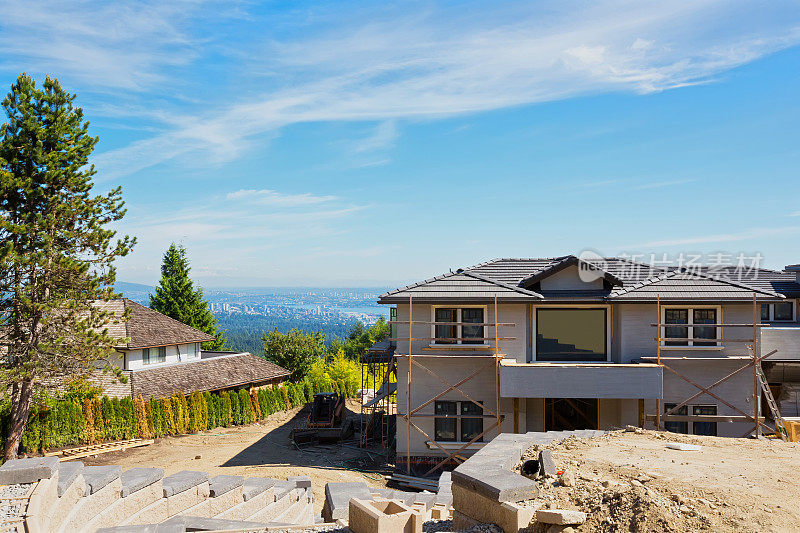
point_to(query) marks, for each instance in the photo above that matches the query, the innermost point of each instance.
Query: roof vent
(459, 270)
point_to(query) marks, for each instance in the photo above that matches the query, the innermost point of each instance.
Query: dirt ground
(631, 481)
(259, 450)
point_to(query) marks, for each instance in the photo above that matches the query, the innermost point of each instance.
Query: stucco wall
(175, 354)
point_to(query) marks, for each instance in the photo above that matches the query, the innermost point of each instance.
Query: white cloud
(383, 137)
(275, 198)
(661, 184)
(436, 64)
(120, 45)
(795, 214)
(750, 234)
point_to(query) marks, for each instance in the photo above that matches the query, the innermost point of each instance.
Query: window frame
(714, 424)
(771, 313)
(459, 329)
(146, 359)
(457, 421)
(162, 354)
(714, 343)
(689, 426)
(534, 328)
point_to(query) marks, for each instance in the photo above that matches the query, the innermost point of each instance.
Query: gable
(571, 279)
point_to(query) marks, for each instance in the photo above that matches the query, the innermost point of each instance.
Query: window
(783, 311)
(162, 354)
(777, 312)
(471, 427)
(570, 334)
(704, 428)
(392, 325)
(146, 356)
(676, 316)
(687, 323)
(457, 419)
(445, 428)
(676, 427)
(451, 333)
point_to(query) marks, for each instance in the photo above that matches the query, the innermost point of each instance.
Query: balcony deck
(580, 380)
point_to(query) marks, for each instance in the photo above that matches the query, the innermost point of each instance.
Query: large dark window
(471, 427)
(457, 419)
(452, 333)
(446, 334)
(783, 311)
(704, 428)
(571, 334)
(445, 429)
(676, 316)
(474, 315)
(676, 427)
(704, 316)
(687, 323)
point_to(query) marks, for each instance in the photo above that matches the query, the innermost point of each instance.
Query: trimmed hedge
(69, 420)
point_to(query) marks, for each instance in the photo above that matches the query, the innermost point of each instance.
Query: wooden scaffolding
(760, 385)
(490, 363)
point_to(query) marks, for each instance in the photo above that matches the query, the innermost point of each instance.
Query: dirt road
(258, 450)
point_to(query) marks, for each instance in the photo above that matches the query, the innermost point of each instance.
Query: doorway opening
(567, 414)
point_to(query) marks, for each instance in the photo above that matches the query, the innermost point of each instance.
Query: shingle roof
(461, 285)
(637, 281)
(215, 373)
(147, 328)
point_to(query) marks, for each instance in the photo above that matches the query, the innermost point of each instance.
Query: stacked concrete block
(485, 489)
(67, 496)
(382, 516)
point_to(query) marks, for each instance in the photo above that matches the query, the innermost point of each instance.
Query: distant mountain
(135, 291)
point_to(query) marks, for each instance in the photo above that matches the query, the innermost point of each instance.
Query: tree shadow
(276, 448)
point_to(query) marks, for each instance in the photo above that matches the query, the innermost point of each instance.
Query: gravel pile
(10, 509)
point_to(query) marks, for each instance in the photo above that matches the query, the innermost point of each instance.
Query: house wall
(175, 354)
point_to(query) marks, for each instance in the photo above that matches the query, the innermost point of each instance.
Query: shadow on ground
(276, 449)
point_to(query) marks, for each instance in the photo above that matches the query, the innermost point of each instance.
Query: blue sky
(376, 143)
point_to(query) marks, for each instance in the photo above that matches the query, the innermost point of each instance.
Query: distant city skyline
(355, 144)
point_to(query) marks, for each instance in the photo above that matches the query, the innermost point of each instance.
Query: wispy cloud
(795, 214)
(274, 198)
(122, 44)
(662, 184)
(396, 65)
(750, 234)
(383, 137)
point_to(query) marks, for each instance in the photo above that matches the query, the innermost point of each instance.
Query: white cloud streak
(274, 198)
(394, 63)
(754, 233)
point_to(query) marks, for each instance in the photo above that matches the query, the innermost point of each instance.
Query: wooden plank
(97, 449)
(418, 322)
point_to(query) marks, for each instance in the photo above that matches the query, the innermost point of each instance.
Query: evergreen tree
(56, 253)
(177, 298)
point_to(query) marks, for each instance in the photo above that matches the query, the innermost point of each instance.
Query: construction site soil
(630, 481)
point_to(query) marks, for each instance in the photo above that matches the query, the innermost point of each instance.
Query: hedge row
(62, 421)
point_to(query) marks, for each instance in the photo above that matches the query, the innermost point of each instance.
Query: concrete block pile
(369, 510)
(486, 489)
(43, 495)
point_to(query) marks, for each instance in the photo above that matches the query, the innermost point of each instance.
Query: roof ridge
(738, 284)
(418, 284)
(520, 290)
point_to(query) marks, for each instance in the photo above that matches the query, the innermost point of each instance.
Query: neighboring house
(578, 348)
(164, 356)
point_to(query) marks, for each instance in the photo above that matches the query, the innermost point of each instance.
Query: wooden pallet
(96, 449)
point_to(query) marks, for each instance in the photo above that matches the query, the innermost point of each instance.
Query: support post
(496, 367)
(658, 360)
(756, 395)
(408, 387)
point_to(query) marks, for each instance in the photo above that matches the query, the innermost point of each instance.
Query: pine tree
(177, 298)
(56, 252)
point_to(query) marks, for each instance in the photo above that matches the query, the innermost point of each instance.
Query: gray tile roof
(637, 282)
(147, 328)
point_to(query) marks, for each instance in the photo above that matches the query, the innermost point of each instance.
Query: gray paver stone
(219, 485)
(29, 470)
(253, 486)
(139, 478)
(547, 467)
(67, 473)
(183, 480)
(301, 482)
(97, 477)
(338, 495)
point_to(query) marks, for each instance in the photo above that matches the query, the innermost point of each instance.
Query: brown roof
(215, 373)
(147, 328)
